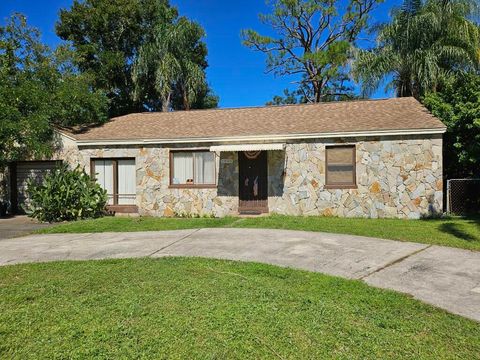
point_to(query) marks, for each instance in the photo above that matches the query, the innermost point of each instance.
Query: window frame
(191, 186)
(115, 178)
(354, 163)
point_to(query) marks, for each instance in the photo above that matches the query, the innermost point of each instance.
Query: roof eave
(279, 137)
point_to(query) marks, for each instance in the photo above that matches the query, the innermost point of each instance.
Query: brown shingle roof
(335, 117)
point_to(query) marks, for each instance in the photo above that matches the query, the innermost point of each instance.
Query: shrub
(65, 195)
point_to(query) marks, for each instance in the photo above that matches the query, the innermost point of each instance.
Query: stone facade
(396, 177)
(154, 195)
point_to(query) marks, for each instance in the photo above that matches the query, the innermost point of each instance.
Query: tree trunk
(166, 103)
(318, 86)
(317, 92)
(186, 102)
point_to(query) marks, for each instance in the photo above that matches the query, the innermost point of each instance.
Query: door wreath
(252, 155)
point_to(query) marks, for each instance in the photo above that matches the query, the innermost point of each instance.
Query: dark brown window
(340, 166)
(117, 177)
(192, 169)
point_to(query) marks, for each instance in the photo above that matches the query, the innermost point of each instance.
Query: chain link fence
(463, 196)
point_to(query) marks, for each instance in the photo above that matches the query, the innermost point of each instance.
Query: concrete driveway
(446, 277)
(17, 226)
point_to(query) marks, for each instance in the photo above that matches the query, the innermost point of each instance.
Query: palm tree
(424, 44)
(174, 62)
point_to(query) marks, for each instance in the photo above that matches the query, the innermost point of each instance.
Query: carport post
(448, 196)
(12, 169)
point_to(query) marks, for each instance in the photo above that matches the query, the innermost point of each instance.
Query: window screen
(340, 165)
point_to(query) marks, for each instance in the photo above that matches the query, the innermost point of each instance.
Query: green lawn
(198, 308)
(115, 224)
(456, 232)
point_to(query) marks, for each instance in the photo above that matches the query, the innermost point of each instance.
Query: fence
(463, 196)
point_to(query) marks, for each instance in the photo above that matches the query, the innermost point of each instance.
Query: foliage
(200, 308)
(288, 98)
(74, 103)
(298, 96)
(190, 215)
(422, 46)
(205, 99)
(39, 90)
(315, 40)
(113, 37)
(65, 195)
(455, 232)
(458, 106)
(174, 62)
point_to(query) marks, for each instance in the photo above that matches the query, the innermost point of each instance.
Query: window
(340, 164)
(192, 168)
(117, 177)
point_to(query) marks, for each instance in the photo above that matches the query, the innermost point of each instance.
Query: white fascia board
(248, 147)
(264, 138)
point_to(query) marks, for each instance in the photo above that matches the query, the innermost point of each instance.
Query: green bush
(65, 195)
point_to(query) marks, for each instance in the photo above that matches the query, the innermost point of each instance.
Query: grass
(455, 232)
(116, 224)
(199, 308)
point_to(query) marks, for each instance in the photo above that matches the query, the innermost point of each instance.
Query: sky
(235, 73)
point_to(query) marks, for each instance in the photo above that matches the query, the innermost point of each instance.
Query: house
(368, 158)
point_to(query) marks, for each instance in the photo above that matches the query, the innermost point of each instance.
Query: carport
(20, 173)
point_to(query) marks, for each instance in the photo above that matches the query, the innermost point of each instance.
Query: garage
(21, 172)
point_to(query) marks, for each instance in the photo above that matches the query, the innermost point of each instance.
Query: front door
(253, 182)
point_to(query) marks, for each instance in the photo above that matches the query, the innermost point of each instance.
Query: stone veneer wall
(396, 177)
(154, 197)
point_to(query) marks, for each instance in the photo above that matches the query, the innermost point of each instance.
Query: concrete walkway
(446, 277)
(18, 225)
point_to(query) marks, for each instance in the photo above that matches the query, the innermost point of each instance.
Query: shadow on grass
(456, 229)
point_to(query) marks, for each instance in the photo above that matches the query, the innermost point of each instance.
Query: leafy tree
(106, 35)
(205, 99)
(38, 90)
(422, 46)
(111, 37)
(315, 40)
(458, 106)
(288, 98)
(343, 93)
(174, 62)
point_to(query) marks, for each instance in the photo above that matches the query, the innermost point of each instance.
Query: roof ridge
(334, 117)
(266, 106)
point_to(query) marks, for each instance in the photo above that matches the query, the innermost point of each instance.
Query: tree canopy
(174, 62)
(288, 98)
(425, 43)
(458, 105)
(314, 42)
(39, 89)
(121, 43)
